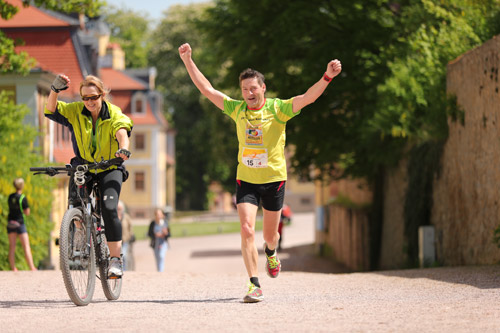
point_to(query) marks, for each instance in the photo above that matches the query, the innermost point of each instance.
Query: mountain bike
(82, 240)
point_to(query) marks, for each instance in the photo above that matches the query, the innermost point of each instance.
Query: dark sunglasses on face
(91, 98)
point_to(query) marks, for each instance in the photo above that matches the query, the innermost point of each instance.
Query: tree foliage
(132, 31)
(90, 8)
(391, 94)
(394, 54)
(16, 156)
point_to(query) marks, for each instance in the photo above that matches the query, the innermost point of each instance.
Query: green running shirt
(261, 139)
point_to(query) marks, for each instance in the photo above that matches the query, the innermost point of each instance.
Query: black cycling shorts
(271, 194)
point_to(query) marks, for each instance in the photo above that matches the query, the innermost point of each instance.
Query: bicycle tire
(78, 271)
(111, 287)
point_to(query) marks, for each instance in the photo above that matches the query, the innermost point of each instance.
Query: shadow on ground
(297, 259)
(304, 259)
(482, 277)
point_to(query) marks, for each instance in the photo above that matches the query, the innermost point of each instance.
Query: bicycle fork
(99, 232)
(88, 223)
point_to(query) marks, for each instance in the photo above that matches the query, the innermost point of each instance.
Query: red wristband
(327, 78)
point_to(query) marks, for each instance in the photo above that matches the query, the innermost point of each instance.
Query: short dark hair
(251, 73)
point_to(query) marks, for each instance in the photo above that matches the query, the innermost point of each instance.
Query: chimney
(81, 19)
(152, 77)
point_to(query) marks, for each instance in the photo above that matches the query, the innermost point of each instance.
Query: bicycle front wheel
(111, 287)
(77, 264)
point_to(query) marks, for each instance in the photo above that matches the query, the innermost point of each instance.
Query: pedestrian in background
(285, 219)
(159, 232)
(16, 226)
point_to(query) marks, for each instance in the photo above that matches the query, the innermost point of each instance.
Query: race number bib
(254, 157)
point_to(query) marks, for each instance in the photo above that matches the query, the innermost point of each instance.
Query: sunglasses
(91, 98)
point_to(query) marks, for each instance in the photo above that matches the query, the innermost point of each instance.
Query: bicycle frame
(91, 201)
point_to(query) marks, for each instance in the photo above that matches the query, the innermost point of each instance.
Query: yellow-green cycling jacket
(78, 119)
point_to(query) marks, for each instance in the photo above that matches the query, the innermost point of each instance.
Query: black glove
(124, 152)
(59, 84)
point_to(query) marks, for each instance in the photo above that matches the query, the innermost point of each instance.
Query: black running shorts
(271, 194)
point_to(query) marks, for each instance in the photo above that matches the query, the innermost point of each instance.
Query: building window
(140, 141)
(138, 106)
(139, 103)
(139, 181)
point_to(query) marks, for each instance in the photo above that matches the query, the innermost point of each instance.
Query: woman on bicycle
(99, 130)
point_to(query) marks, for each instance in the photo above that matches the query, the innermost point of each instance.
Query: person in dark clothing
(16, 227)
(159, 232)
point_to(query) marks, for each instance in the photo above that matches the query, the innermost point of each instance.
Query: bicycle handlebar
(52, 171)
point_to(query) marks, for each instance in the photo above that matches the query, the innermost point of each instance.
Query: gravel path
(203, 287)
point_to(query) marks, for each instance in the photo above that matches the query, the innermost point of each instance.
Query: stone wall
(392, 252)
(345, 229)
(466, 192)
(348, 236)
(466, 206)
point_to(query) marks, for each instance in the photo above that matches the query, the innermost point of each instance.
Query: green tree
(16, 156)
(391, 95)
(291, 43)
(394, 56)
(203, 151)
(413, 104)
(132, 31)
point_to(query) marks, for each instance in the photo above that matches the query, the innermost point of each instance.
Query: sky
(154, 8)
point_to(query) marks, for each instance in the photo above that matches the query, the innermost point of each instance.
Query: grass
(195, 229)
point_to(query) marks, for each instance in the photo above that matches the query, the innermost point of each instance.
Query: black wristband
(54, 89)
(124, 152)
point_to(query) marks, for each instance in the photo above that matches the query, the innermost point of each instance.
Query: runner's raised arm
(199, 80)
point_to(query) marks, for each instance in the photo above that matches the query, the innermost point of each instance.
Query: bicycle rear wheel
(78, 269)
(111, 287)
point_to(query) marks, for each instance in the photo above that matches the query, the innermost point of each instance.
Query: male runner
(261, 174)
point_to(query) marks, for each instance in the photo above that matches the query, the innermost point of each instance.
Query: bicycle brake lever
(51, 172)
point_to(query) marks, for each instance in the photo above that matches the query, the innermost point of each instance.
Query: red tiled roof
(116, 80)
(122, 99)
(43, 45)
(122, 87)
(146, 119)
(52, 49)
(31, 17)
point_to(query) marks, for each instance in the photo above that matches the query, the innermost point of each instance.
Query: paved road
(203, 287)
